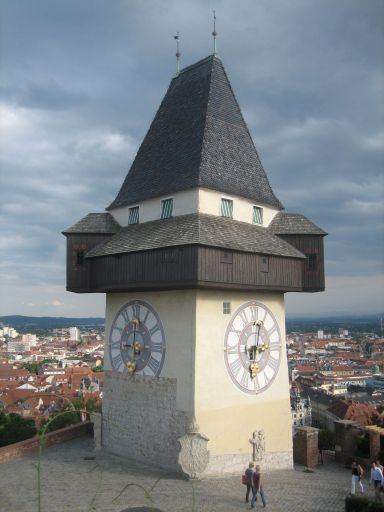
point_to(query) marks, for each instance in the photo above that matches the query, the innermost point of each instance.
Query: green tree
(32, 367)
(91, 405)
(14, 428)
(64, 420)
(326, 440)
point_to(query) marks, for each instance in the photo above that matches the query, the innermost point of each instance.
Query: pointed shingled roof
(198, 138)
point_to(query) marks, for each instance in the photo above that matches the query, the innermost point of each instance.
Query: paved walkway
(74, 479)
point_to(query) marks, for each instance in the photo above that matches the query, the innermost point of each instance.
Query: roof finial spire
(214, 33)
(177, 37)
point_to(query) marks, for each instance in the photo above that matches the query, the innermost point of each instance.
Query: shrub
(62, 420)
(14, 428)
(362, 504)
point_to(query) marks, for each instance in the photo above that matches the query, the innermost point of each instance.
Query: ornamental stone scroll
(193, 456)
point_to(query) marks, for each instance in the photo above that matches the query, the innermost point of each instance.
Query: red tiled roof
(342, 368)
(306, 369)
(364, 414)
(8, 372)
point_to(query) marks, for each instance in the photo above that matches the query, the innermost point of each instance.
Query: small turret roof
(95, 223)
(198, 138)
(294, 224)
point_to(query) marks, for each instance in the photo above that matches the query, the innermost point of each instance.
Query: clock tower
(195, 255)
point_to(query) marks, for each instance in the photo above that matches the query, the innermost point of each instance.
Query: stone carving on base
(258, 445)
(193, 456)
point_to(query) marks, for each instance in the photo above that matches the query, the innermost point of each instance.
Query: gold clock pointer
(136, 347)
(131, 367)
(254, 369)
(135, 344)
(253, 349)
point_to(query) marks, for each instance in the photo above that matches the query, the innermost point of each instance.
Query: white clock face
(136, 340)
(252, 347)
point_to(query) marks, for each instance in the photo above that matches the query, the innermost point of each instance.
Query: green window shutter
(227, 208)
(257, 215)
(166, 208)
(133, 217)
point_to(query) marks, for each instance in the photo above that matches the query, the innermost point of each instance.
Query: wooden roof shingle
(197, 229)
(94, 223)
(294, 224)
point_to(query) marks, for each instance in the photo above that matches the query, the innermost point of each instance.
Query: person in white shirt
(376, 479)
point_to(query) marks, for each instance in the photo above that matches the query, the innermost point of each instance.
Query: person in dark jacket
(249, 474)
(257, 487)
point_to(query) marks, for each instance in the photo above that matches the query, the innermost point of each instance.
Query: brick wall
(305, 446)
(140, 419)
(17, 450)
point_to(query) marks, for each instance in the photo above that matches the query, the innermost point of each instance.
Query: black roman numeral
(154, 329)
(253, 314)
(243, 316)
(273, 363)
(235, 366)
(125, 315)
(117, 361)
(154, 365)
(157, 347)
(146, 316)
(115, 344)
(272, 330)
(136, 311)
(244, 379)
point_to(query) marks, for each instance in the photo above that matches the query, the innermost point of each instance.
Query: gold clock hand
(259, 323)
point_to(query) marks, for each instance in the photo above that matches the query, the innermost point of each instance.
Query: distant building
(301, 410)
(320, 335)
(18, 346)
(74, 333)
(9, 331)
(29, 338)
(326, 409)
(376, 382)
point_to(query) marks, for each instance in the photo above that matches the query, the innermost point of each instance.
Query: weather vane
(177, 37)
(214, 33)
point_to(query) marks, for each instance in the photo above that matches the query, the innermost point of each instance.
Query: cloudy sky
(81, 81)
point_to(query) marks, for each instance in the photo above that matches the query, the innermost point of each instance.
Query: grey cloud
(82, 81)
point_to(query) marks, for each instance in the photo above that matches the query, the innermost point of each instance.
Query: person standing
(257, 488)
(357, 473)
(376, 479)
(249, 474)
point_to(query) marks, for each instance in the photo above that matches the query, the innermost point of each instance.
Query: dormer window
(133, 216)
(166, 208)
(227, 208)
(257, 215)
